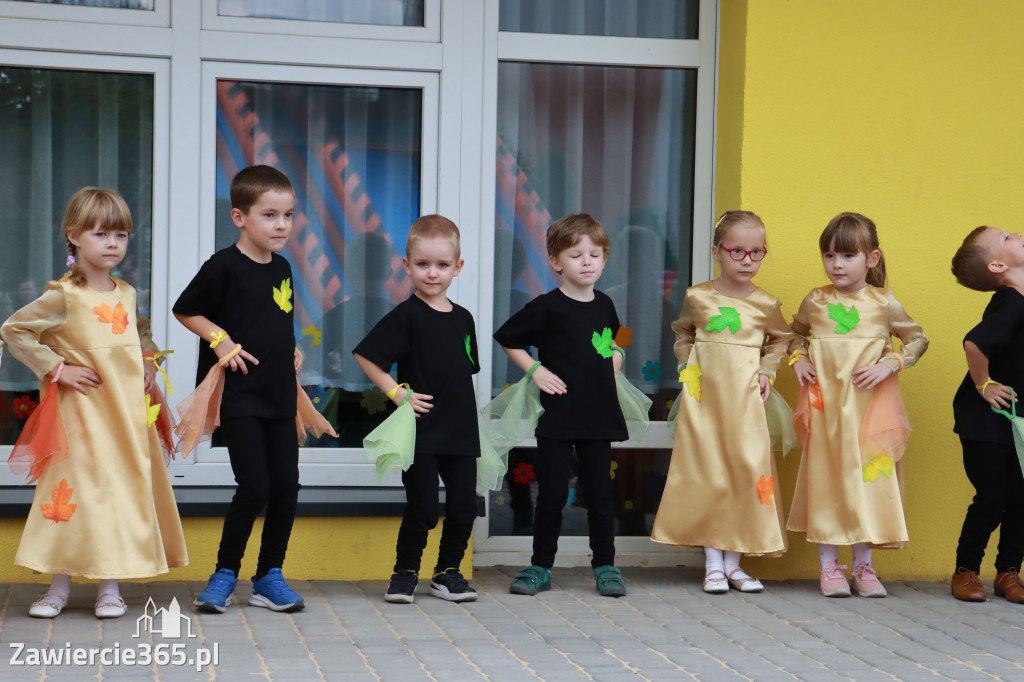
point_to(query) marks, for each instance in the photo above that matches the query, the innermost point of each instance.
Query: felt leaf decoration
(690, 376)
(624, 337)
(311, 330)
(152, 411)
(283, 296)
(60, 509)
(728, 319)
(469, 353)
(845, 318)
(765, 489)
(879, 465)
(817, 402)
(116, 316)
(603, 342)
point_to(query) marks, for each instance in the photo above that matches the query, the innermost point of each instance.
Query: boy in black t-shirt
(572, 328)
(434, 343)
(991, 260)
(242, 297)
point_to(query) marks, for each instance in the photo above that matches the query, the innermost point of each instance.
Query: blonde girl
(850, 414)
(730, 338)
(103, 507)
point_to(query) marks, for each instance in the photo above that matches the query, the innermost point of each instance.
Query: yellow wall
(906, 111)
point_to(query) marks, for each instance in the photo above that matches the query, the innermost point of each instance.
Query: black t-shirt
(238, 294)
(1000, 337)
(436, 355)
(567, 333)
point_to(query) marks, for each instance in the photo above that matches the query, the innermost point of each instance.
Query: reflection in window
(61, 131)
(115, 4)
(626, 18)
(380, 12)
(353, 156)
(618, 143)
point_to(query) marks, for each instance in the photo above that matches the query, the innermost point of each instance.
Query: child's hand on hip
(869, 377)
(764, 383)
(420, 401)
(998, 395)
(547, 381)
(806, 372)
(236, 363)
(79, 378)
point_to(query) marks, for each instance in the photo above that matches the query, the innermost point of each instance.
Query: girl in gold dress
(103, 505)
(730, 337)
(850, 415)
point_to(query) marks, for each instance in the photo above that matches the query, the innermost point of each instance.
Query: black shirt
(563, 331)
(237, 294)
(437, 356)
(1000, 337)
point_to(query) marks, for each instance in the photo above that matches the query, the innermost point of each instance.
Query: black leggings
(421, 511)
(994, 471)
(553, 466)
(265, 460)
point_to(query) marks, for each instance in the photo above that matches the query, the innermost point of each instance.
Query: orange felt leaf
(765, 489)
(817, 402)
(61, 509)
(116, 316)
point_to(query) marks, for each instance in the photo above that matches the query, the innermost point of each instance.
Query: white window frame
(604, 51)
(159, 69)
(158, 16)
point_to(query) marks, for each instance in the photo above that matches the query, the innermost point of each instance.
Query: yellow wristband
(217, 336)
(393, 392)
(227, 358)
(795, 357)
(154, 357)
(985, 385)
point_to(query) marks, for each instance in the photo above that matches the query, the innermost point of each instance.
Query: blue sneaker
(214, 599)
(272, 592)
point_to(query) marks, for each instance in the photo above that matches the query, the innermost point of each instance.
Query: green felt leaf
(603, 342)
(469, 353)
(845, 319)
(729, 318)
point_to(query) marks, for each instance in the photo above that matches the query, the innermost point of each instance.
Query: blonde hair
(89, 208)
(565, 232)
(731, 219)
(854, 233)
(434, 227)
(970, 263)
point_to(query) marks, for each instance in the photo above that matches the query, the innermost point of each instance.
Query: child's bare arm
(420, 402)
(208, 331)
(545, 379)
(994, 394)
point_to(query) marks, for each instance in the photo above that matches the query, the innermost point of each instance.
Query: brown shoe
(967, 585)
(1010, 586)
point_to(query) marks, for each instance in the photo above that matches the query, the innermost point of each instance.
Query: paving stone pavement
(665, 629)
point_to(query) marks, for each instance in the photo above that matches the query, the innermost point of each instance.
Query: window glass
(61, 131)
(353, 156)
(381, 12)
(115, 4)
(625, 18)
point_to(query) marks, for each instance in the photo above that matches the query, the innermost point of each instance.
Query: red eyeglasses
(740, 254)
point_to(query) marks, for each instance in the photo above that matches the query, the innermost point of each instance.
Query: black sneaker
(402, 588)
(450, 585)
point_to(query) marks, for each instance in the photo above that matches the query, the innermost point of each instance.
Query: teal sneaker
(531, 580)
(609, 581)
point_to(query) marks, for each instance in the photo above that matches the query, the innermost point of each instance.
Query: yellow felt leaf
(879, 465)
(690, 376)
(283, 296)
(152, 411)
(60, 509)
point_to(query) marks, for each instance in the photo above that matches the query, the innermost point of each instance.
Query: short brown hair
(565, 232)
(970, 263)
(731, 219)
(249, 184)
(91, 207)
(854, 233)
(434, 226)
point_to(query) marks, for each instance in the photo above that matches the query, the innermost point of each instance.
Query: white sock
(61, 586)
(861, 554)
(828, 554)
(713, 560)
(107, 586)
(732, 566)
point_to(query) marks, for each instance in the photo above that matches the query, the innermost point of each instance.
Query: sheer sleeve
(801, 326)
(778, 338)
(915, 343)
(22, 330)
(686, 332)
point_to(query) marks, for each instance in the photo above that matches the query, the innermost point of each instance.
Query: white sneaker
(110, 605)
(48, 606)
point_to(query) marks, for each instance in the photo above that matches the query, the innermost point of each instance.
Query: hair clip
(71, 261)
(721, 219)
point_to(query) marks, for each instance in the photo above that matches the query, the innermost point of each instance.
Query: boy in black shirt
(572, 328)
(242, 296)
(434, 343)
(991, 260)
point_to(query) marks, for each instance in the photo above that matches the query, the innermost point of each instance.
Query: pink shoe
(833, 581)
(865, 581)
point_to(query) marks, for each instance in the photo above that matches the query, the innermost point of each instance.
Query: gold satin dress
(832, 503)
(107, 510)
(722, 488)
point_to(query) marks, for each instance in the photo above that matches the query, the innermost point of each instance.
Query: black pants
(994, 471)
(265, 460)
(421, 511)
(553, 467)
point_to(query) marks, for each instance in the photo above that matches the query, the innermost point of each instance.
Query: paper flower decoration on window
(24, 406)
(499, 500)
(523, 473)
(317, 396)
(116, 316)
(311, 330)
(624, 337)
(283, 296)
(845, 318)
(879, 465)
(373, 400)
(669, 404)
(615, 465)
(728, 319)
(628, 505)
(765, 489)
(571, 500)
(61, 508)
(652, 371)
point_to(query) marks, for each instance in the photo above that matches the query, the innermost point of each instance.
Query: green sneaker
(609, 581)
(531, 580)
